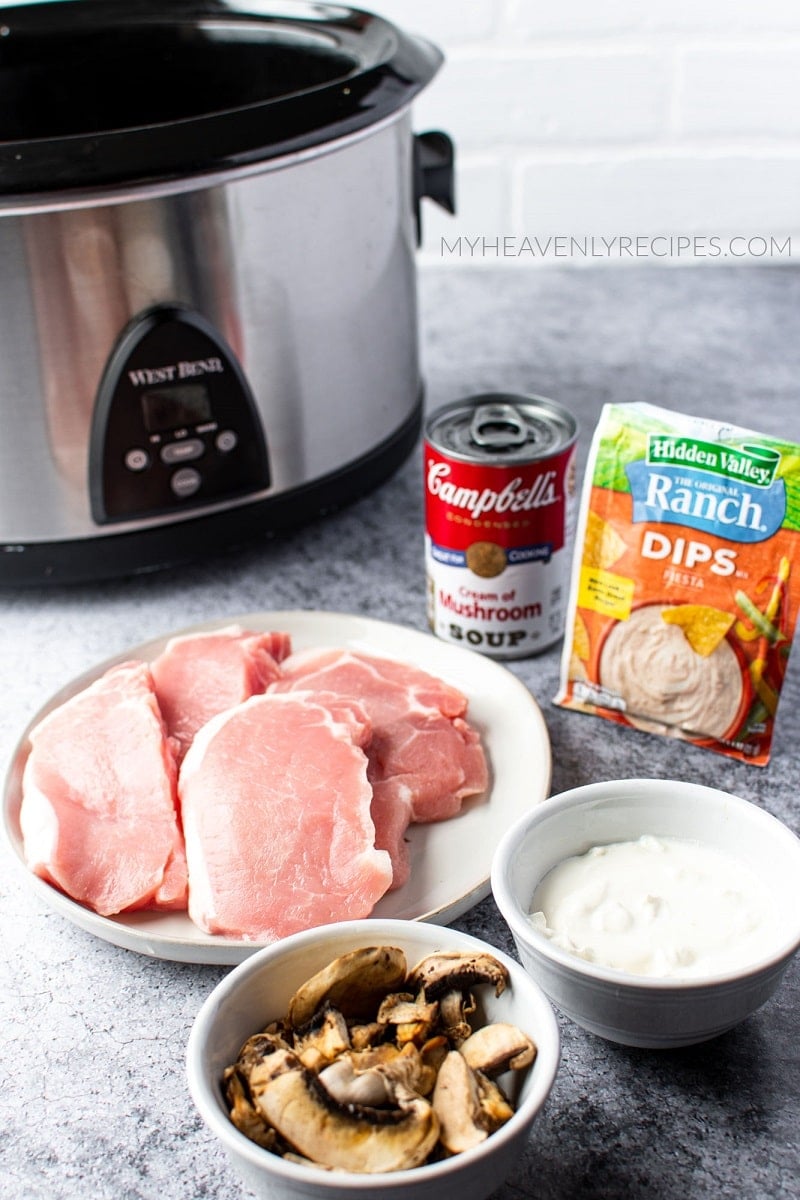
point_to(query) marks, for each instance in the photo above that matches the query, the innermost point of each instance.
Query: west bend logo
(731, 492)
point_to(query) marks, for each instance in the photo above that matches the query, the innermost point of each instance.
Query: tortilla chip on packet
(704, 627)
(686, 579)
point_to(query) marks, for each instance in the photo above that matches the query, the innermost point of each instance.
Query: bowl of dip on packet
(686, 579)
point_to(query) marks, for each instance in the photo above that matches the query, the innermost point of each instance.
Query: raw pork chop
(98, 815)
(276, 811)
(201, 674)
(424, 758)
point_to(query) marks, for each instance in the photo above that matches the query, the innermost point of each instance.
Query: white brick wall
(591, 119)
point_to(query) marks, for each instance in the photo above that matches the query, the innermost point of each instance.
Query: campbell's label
(497, 540)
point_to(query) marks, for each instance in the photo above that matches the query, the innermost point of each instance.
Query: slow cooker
(208, 220)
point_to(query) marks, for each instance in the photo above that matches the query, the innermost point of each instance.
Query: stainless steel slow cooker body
(209, 327)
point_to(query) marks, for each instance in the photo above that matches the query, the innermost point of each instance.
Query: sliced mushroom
(456, 970)
(259, 1074)
(363, 1036)
(495, 1106)
(321, 1041)
(408, 1068)
(457, 1104)
(349, 1086)
(413, 1018)
(495, 1047)
(455, 1009)
(355, 983)
(402, 1008)
(376, 1056)
(432, 1055)
(247, 1119)
(372, 1076)
(364, 1140)
(257, 1048)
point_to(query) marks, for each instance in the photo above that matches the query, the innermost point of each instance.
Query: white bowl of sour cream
(652, 912)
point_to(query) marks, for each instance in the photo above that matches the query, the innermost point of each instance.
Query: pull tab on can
(498, 427)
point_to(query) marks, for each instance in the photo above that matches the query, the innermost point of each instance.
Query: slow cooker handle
(434, 163)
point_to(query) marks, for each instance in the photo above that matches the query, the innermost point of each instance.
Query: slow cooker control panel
(175, 425)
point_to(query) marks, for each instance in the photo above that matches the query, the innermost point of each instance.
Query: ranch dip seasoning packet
(686, 579)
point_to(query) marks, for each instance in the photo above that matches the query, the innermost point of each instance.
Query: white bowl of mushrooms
(374, 1056)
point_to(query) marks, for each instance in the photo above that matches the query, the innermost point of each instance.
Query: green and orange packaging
(686, 579)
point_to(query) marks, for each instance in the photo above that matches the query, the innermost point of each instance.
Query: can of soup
(500, 505)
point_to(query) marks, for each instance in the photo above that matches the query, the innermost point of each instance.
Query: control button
(137, 459)
(185, 482)
(177, 452)
(226, 441)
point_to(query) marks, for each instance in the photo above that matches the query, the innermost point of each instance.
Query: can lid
(498, 428)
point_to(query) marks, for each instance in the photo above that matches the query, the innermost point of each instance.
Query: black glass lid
(99, 92)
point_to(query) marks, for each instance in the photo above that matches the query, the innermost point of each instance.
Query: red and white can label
(497, 546)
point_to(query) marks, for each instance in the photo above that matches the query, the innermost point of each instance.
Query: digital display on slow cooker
(170, 408)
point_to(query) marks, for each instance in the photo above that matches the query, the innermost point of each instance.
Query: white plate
(450, 860)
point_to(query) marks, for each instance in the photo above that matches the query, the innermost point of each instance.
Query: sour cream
(659, 907)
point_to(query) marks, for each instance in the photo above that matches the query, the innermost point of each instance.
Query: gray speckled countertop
(93, 1100)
